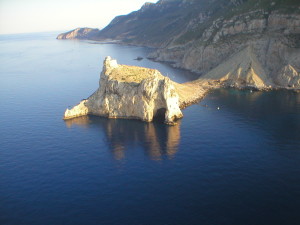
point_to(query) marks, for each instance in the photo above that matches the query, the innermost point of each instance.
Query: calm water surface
(237, 165)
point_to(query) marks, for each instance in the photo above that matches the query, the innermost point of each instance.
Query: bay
(239, 164)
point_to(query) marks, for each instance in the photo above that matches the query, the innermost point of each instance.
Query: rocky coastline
(136, 93)
(247, 43)
(237, 43)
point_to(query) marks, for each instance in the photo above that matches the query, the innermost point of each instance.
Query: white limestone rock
(130, 92)
(78, 110)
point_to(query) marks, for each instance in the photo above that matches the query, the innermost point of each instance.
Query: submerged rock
(139, 58)
(131, 92)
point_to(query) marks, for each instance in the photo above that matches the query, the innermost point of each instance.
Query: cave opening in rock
(160, 115)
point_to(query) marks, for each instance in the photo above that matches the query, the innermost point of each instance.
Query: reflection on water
(156, 139)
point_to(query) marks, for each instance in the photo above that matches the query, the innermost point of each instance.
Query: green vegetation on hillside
(225, 11)
(179, 20)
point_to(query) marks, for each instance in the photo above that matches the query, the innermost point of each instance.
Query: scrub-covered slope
(206, 36)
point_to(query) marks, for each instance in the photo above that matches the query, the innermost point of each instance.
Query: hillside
(202, 35)
(79, 33)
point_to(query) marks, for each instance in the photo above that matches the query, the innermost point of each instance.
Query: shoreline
(174, 65)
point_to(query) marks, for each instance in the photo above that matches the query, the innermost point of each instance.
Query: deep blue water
(237, 165)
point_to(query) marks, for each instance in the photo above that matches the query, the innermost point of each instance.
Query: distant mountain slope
(79, 33)
(199, 35)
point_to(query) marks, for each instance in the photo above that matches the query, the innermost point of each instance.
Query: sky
(25, 16)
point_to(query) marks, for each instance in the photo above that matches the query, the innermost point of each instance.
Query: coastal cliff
(265, 43)
(130, 92)
(241, 43)
(79, 33)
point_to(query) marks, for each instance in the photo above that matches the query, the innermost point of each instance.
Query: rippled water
(236, 165)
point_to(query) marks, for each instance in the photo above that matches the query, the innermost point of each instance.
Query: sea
(233, 159)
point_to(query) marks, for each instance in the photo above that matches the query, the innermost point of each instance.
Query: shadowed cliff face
(158, 140)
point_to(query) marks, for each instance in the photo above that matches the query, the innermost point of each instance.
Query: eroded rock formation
(130, 92)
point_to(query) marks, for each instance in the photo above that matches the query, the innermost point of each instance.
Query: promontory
(137, 93)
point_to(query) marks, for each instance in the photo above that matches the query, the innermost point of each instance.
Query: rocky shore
(137, 93)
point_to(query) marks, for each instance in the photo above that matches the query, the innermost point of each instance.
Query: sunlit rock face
(242, 70)
(130, 92)
(79, 33)
(289, 77)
